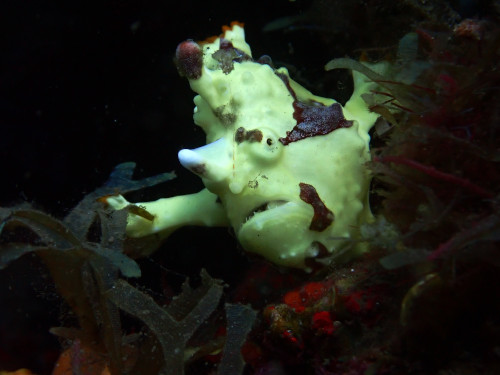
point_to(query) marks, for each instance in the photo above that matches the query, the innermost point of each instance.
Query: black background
(85, 86)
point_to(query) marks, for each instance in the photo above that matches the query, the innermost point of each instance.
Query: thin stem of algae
(240, 319)
(346, 63)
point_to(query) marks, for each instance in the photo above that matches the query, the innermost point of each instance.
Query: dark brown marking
(239, 136)
(199, 169)
(254, 135)
(189, 59)
(227, 118)
(322, 217)
(228, 54)
(253, 184)
(312, 118)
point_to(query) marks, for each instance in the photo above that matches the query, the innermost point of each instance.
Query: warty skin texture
(283, 167)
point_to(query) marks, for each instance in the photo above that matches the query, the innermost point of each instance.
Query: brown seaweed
(173, 326)
(240, 319)
(84, 254)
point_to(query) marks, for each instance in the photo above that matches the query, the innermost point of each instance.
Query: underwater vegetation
(423, 299)
(85, 271)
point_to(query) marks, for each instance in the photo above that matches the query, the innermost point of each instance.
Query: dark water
(85, 86)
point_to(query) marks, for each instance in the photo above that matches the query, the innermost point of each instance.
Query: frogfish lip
(266, 206)
(279, 231)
